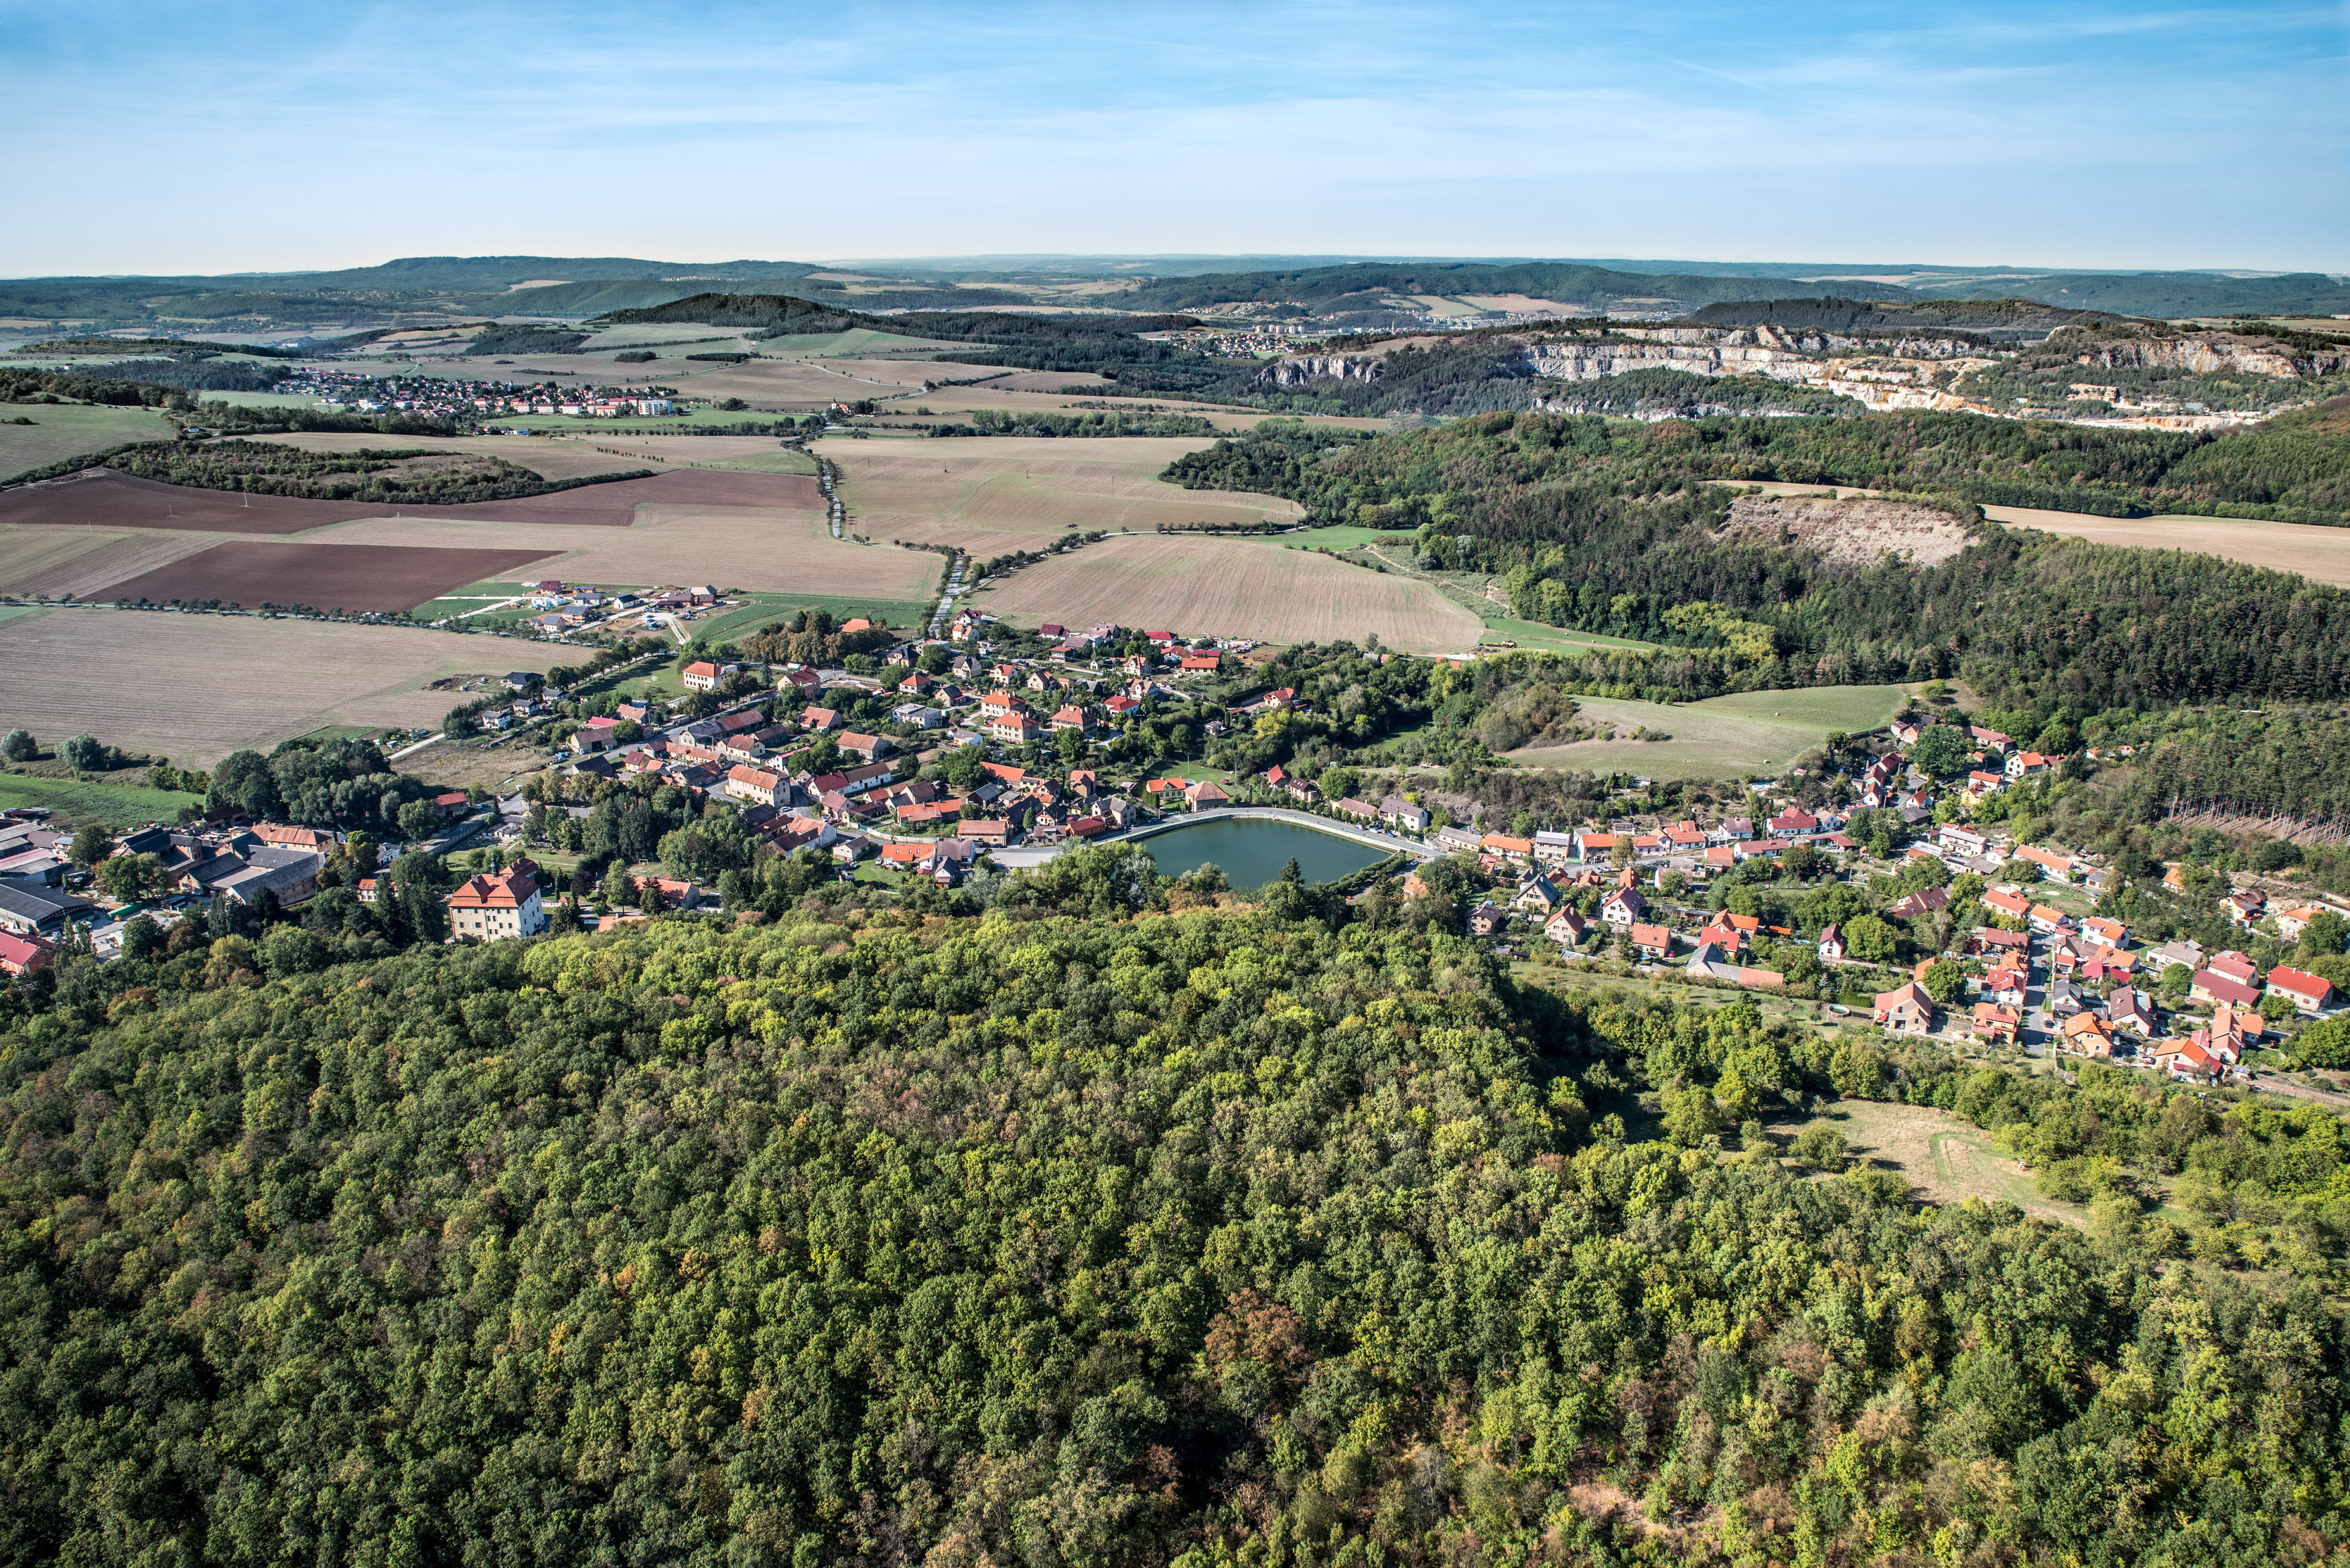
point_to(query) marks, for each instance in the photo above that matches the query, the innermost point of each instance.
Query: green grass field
(1753, 733)
(1854, 709)
(1551, 638)
(78, 801)
(860, 343)
(767, 609)
(1347, 536)
(61, 430)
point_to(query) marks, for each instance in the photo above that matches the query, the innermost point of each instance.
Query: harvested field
(46, 562)
(2319, 554)
(782, 549)
(197, 687)
(107, 499)
(1752, 733)
(339, 577)
(61, 430)
(1853, 533)
(993, 493)
(1228, 588)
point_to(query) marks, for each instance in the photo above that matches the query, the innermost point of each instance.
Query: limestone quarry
(1857, 532)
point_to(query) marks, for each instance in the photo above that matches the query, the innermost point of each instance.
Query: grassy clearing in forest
(1943, 1159)
(1755, 734)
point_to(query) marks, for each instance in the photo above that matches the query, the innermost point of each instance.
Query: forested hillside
(1216, 1237)
(1611, 528)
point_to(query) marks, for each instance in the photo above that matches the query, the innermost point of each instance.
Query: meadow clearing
(1943, 1159)
(1233, 587)
(1752, 733)
(197, 687)
(990, 494)
(61, 430)
(2319, 554)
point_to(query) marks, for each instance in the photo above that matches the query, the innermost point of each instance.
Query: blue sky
(154, 138)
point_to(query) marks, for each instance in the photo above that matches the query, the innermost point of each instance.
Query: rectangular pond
(1251, 851)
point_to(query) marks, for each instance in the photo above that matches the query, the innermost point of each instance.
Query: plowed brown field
(111, 500)
(252, 571)
(1230, 587)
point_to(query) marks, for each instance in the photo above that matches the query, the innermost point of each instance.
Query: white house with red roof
(498, 905)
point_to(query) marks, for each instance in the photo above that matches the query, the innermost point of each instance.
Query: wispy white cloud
(1510, 128)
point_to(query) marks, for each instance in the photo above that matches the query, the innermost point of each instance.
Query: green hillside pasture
(1755, 734)
(77, 801)
(767, 609)
(1529, 634)
(61, 430)
(862, 343)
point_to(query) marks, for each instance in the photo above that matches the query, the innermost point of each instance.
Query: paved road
(824, 482)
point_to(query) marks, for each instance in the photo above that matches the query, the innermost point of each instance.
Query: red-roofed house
(701, 676)
(1996, 1023)
(21, 954)
(2210, 986)
(814, 718)
(1652, 942)
(757, 786)
(490, 906)
(1906, 1010)
(2308, 992)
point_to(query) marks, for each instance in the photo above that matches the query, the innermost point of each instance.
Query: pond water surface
(1251, 851)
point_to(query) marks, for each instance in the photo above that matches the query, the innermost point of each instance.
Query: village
(440, 398)
(990, 747)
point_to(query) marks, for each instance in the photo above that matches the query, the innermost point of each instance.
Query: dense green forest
(1604, 526)
(1108, 346)
(1066, 1236)
(417, 475)
(2294, 468)
(1835, 313)
(1096, 422)
(1364, 286)
(526, 340)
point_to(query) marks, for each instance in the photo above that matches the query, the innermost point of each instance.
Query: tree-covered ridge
(418, 475)
(1615, 529)
(1199, 1239)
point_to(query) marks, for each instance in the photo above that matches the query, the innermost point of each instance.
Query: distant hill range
(1332, 290)
(1372, 285)
(778, 314)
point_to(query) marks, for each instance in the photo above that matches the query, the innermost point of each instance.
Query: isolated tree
(418, 819)
(85, 754)
(92, 844)
(1945, 981)
(1942, 750)
(18, 746)
(1870, 939)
